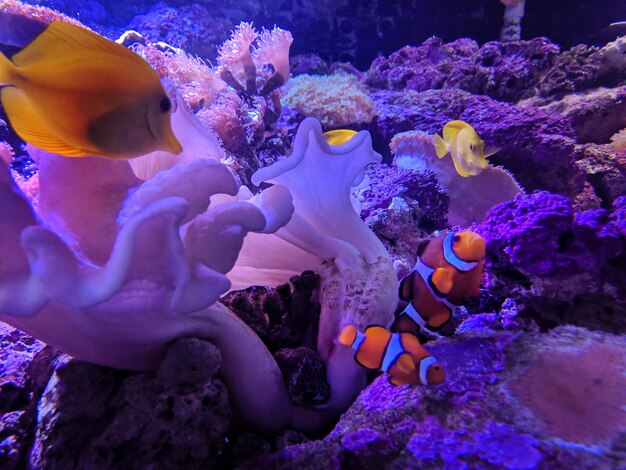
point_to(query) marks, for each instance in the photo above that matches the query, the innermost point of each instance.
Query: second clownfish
(448, 272)
(398, 354)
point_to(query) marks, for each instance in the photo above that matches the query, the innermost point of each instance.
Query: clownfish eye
(457, 238)
(165, 104)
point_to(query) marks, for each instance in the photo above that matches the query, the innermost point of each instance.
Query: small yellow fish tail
(440, 146)
(6, 70)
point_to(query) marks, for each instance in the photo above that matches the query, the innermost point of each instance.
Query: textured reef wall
(534, 365)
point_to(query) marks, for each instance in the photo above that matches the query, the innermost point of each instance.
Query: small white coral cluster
(336, 100)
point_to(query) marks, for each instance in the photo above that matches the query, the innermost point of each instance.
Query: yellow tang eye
(165, 104)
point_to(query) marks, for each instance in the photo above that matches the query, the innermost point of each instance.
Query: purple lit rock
(575, 69)
(486, 414)
(602, 165)
(419, 68)
(310, 63)
(305, 376)
(92, 416)
(537, 146)
(192, 28)
(506, 71)
(25, 366)
(402, 207)
(387, 182)
(562, 266)
(596, 115)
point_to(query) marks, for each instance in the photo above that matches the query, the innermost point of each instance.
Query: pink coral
(246, 54)
(235, 58)
(273, 48)
(584, 401)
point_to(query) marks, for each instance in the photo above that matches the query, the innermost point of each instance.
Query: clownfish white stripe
(426, 272)
(394, 349)
(424, 365)
(451, 257)
(414, 315)
(358, 340)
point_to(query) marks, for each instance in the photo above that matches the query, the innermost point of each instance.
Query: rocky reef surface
(535, 366)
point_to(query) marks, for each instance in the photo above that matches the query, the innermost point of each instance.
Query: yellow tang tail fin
(440, 146)
(6, 70)
(347, 336)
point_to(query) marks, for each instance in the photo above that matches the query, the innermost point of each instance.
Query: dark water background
(359, 30)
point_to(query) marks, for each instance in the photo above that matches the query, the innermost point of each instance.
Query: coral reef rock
(512, 401)
(563, 266)
(536, 146)
(94, 417)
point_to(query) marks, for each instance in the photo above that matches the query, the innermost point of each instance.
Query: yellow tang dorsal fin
(451, 129)
(60, 40)
(29, 126)
(339, 136)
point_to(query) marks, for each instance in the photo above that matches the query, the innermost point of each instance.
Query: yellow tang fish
(339, 136)
(75, 93)
(466, 148)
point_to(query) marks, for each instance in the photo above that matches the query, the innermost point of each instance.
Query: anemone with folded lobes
(110, 269)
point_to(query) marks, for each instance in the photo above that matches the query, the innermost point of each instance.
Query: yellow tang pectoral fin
(61, 40)
(491, 151)
(30, 126)
(442, 278)
(440, 146)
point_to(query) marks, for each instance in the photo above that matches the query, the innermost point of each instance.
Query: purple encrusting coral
(505, 71)
(563, 266)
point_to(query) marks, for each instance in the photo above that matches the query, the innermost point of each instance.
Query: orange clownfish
(448, 271)
(398, 354)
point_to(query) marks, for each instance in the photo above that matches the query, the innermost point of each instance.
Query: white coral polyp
(273, 48)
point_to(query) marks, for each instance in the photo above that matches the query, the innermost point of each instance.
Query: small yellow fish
(339, 136)
(466, 148)
(75, 93)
